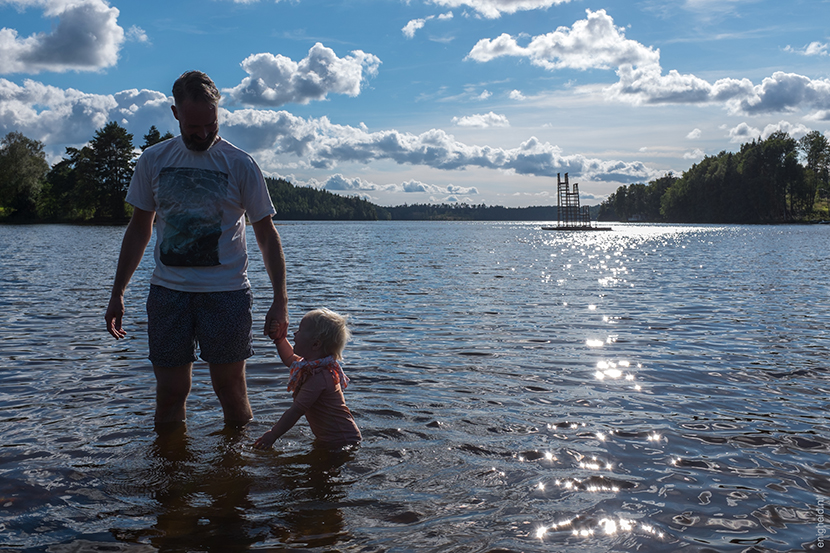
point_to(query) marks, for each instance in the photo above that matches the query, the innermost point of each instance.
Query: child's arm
(286, 422)
(286, 352)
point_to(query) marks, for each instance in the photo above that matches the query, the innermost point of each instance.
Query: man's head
(196, 109)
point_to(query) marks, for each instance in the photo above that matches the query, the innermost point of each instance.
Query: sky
(430, 101)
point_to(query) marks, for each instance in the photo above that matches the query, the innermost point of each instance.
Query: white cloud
(517, 95)
(69, 117)
(274, 80)
(87, 37)
(339, 182)
(812, 49)
(493, 9)
(414, 186)
(592, 43)
(320, 144)
(52, 115)
(485, 94)
(137, 34)
(743, 133)
(414, 25)
(817, 49)
(823, 115)
(782, 92)
(482, 121)
(60, 118)
(694, 134)
(356, 184)
(795, 131)
(646, 85)
(410, 28)
(596, 43)
(697, 153)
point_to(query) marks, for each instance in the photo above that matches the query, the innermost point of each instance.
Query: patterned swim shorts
(219, 322)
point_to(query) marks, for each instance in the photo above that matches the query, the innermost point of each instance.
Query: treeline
(776, 180)
(295, 203)
(88, 184)
(465, 212)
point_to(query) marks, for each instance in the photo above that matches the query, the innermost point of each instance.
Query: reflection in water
(202, 509)
(205, 499)
(312, 515)
(198, 498)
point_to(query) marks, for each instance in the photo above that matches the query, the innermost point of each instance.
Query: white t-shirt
(200, 200)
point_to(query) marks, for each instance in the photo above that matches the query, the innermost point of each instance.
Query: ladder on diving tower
(570, 214)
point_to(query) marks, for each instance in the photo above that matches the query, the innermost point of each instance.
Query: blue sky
(477, 101)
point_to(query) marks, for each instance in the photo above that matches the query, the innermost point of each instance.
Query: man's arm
(136, 237)
(268, 239)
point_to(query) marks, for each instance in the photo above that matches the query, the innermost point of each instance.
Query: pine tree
(23, 168)
(112, 156)
(153, 137)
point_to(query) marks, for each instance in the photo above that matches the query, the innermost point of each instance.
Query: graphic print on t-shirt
(189, 201)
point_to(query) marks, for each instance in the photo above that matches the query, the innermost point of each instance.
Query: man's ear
(175, 112)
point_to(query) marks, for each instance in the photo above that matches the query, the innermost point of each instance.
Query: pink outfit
(318, 390)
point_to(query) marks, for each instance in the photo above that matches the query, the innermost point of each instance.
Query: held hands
(276, 321)
(113, 316)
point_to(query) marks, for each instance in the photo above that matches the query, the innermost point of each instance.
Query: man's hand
(276, 322)
(135, 240)
(113, 316)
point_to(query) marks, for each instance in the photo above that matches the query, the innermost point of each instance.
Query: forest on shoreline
(775, 180)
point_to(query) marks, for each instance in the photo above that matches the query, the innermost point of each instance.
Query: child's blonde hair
(330, 328)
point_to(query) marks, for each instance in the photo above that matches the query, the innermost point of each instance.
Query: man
(199, 189)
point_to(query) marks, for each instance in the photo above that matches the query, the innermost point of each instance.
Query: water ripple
(658, 387)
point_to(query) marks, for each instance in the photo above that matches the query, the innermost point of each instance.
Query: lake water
(651, 388)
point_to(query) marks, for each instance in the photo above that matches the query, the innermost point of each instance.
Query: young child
(317, 381)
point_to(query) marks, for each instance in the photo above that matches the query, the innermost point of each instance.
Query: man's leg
(172, 389)
(229, 384)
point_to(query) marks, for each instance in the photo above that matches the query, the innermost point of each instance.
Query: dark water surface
(653, 388)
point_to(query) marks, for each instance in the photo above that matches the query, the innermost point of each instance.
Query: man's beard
(196, 144)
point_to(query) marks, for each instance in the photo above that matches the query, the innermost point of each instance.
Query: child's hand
(276, 322)
(266, 441)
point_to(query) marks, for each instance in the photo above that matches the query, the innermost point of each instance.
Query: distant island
(776, 180)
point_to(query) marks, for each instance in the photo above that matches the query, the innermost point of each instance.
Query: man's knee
(172, 389)
(173, 383)
(227, 374)
(230, 387)
(228, 381)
